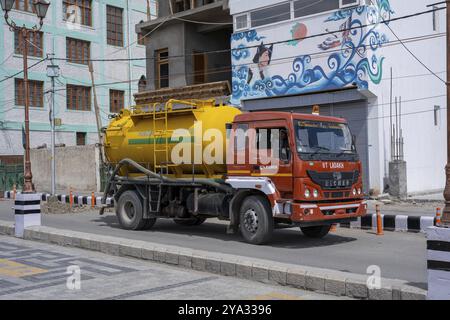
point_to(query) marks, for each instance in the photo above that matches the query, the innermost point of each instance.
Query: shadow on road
(282, 238)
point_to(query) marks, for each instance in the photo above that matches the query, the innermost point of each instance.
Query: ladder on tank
(161, 139)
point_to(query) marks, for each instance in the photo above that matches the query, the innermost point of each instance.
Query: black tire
(255, 220)
(130, 212)
(196, 221)
(316, 232)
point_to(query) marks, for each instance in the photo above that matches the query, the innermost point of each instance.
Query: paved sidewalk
(399, 255)
(32, 270)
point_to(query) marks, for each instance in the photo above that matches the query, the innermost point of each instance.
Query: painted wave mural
(348, 55)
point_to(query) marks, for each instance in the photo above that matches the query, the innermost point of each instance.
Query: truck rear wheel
(130, 212)
(256, 222)
(196, 221)
(316, 232)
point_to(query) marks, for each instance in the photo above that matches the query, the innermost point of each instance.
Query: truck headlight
(359, 191)
(315, 193)
(307, 193)
(354, 192)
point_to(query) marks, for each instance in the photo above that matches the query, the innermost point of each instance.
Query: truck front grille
(334, 180)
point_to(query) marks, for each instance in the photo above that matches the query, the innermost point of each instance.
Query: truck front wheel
(130, 212)
(256, 222)
(316, 232)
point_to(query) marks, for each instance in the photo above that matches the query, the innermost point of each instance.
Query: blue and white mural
(311, 55)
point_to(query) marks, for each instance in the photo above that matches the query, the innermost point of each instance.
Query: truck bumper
(314, 213)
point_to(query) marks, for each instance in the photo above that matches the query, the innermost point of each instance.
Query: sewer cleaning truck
(313, 179)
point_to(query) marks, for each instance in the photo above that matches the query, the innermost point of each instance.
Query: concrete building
(292, 55)
(190, 43)
(75, 32)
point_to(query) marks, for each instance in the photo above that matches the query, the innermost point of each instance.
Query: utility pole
(446, 215)
(52, 73)
(97, 112)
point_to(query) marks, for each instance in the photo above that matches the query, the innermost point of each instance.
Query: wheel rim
(251, 221)
(130, 211)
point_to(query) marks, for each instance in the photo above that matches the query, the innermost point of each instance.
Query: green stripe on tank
(159, 140)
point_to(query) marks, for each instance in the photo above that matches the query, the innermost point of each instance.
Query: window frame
(160, 62)
(37, 48)
(76, 59)
(292, 15)
(110, 40)
(26, 3)
(83, 9)
(247, 17)
(113, 96)
(34, 86)
(70, 98)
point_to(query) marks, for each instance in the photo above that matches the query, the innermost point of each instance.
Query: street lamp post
(40, 8)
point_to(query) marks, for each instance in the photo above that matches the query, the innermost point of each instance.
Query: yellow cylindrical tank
(148, 135)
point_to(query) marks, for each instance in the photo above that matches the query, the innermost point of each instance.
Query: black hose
(149, 173)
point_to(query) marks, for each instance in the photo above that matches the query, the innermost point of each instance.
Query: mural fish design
(356, 63)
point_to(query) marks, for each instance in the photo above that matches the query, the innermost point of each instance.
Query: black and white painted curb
(400, 223)
(438, 263)
(77, 200)
(27, 212)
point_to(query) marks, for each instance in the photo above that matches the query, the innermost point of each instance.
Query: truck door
(271, 154)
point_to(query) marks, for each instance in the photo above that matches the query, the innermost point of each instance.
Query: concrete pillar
(27, 212)
(438, 258)
(398, 183)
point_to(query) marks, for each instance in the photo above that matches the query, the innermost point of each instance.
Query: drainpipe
(130, 100)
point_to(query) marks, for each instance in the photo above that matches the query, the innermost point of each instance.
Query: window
(241, 22)
(304, 8)
(348, 3)
(81, 138)
(116, 100)
(78, 51)
(142, 85)
(272, 14)
(275, 141)
(25, 5)
(200, 66)
(162, 69)
(114, 22)
(35, 94)
(78, 11)
(35, 43)
(141, 39)
(78, 98)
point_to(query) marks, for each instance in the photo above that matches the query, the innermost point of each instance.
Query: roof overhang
(211, 90)
(217, 12)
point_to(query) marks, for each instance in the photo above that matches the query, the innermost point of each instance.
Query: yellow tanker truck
(310, 183)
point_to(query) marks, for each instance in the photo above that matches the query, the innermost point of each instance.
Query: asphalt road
(32, 270)
(399, 255)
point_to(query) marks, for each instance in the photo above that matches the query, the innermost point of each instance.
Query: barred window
(35, 94)
(116, 100)
(78, 11)
(78, 98)
(35, 43)
(78, 51)
(114, 24)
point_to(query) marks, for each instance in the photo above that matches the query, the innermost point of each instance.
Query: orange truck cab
(315, 180)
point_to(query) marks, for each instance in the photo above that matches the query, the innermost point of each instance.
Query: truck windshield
(324, 138)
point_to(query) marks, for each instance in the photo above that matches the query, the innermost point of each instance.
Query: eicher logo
(333, 165)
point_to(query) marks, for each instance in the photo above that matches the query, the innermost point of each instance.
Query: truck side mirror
(354, 139)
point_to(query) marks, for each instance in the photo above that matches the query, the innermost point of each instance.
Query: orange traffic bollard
(333, 228)
(14, 191)
(92, 200)
(379, 222)
(438, 216)
(71, 198)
